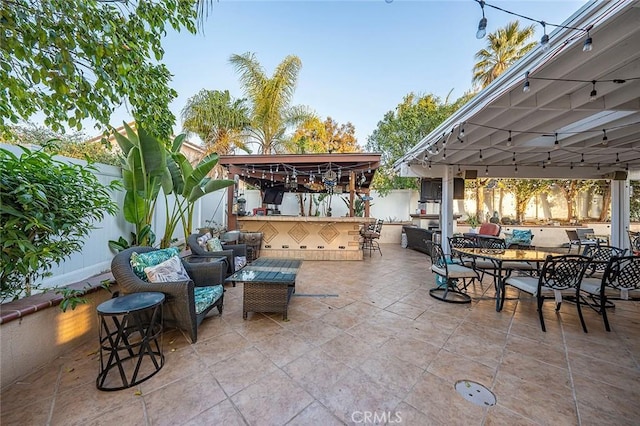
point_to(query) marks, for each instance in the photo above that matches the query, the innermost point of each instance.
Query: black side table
(130, 333)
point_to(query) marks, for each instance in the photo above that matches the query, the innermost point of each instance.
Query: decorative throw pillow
(139, 261)
(168, 271)
(240, 262)
(520, 236)
(214, 244)
(202, 240)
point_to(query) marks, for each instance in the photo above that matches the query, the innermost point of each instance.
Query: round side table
(130, 340)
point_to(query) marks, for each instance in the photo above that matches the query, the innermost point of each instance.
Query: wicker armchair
(230, 251)
(179, 305)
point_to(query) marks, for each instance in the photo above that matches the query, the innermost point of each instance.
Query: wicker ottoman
(266, 297)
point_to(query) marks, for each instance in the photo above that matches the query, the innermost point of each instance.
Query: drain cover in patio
(476, 393)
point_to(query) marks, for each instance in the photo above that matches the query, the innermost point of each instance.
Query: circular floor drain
(476, 393)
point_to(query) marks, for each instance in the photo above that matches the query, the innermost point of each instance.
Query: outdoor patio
(362, 337)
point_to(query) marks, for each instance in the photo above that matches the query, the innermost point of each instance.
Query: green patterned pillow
(139, 261)
(214, 244)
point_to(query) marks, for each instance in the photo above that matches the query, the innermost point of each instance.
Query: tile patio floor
(383, 345)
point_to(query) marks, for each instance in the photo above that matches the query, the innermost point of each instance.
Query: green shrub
(47, 209)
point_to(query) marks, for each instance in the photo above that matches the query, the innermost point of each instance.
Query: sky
(359, 58)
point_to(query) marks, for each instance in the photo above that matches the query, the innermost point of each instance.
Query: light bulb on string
(486, 170)
(617, 158)
(509, 139)
(482, 25)
(588, 43)
(481, 154)
(527, 86)
(594, 93)
(544, 41)
(556, 143)
(571, 165)
(605, 139)
(513, 160)
(582, 159)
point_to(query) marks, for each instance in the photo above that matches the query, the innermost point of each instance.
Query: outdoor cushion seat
(206, 296)
(455, 271)
(188, 301)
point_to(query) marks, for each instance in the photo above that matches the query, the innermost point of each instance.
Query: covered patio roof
(308, 170)
(557, 129)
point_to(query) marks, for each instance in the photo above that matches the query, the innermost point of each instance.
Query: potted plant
(473, 222)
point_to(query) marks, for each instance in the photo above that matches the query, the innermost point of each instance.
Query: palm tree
(504, 47)
(218, 119)
(271, 113)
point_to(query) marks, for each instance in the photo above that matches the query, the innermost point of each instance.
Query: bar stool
(130, 333)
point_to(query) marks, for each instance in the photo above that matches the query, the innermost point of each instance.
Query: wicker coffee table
(268, 285)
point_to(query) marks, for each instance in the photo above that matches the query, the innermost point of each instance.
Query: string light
(556, 143)
(571, 165)
(594, 93)
(617, 158)
(582, 159)
(588, 43)
(509, 139)
(482, 25)
(527, 86)
(604, 138)
(549, 157)
(544, 41)
(513, 160)
(481, 154)
(486, 170)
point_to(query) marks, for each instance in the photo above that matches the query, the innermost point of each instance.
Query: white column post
(620, 213)
(446, 208)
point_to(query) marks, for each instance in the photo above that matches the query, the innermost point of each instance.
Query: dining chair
(371, 235)
(620, 281)
(452, 274)
(560, 276)
(634, 241)
(600, 255)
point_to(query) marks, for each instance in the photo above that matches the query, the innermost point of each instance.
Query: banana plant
(188, 184)
(144, 173)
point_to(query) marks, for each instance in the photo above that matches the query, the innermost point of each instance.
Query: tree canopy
(317, 136)
(218, 119)
(77, 59)
(400, 129)
(271, 113)
(504, 47)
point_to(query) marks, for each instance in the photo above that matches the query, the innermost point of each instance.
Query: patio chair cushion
(519, 236)
(214, 244)
(139, 261)
(170, 270)
(528, 284)
(206, 296)
(455, 271)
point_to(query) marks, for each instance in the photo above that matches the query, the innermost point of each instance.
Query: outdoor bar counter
(307, 237)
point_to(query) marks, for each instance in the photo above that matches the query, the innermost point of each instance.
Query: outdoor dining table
(506, 261)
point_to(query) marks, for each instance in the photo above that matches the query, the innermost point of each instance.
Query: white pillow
(202, 240)
(240, 262)
(170, 270)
